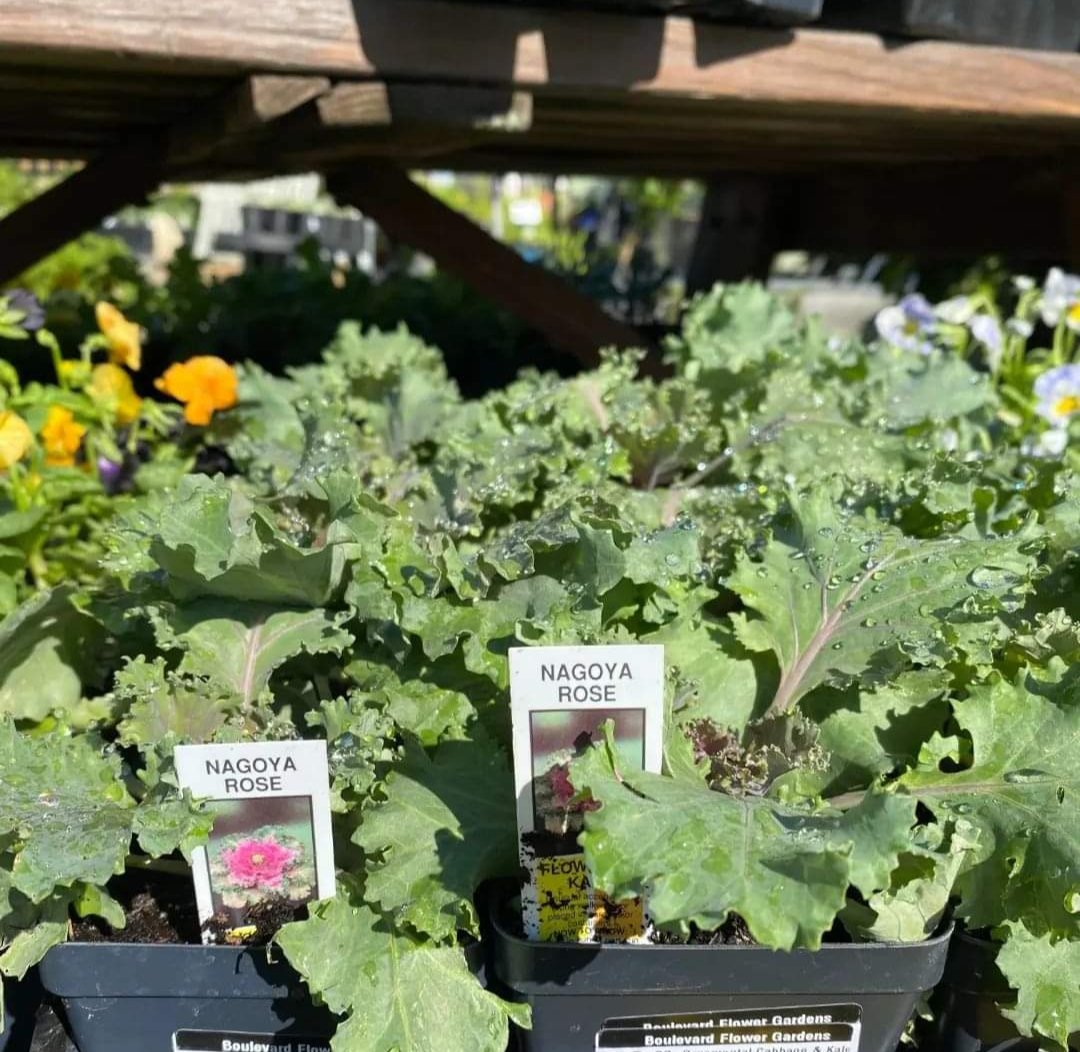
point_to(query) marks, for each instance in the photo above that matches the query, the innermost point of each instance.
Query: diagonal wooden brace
(570, 320)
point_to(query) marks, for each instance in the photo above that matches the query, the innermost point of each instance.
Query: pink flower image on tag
(258, 862)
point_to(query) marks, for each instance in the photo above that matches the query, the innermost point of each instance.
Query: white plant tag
(272, 836)
(559, 697)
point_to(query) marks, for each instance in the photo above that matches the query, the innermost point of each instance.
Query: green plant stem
(158, 865)
(38, 567)
(846, 801)
(1057, 353)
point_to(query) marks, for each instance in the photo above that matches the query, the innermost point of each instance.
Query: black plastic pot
(576, 991)
(132, 998)
(21, 1000)
(770, 12)
(774, 12)
(965, 1005)
(1052, 25)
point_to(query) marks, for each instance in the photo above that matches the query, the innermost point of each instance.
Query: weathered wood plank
(408, 213)
(508, 44)
(375, 103)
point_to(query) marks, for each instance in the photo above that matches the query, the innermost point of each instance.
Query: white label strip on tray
(237, 1041)
(814, 1028)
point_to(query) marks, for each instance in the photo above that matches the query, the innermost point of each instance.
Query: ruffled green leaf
(1046, 974)
(835, 591)
(1020, 791)
(447, 825)
(48, 650)
(240, 645)
(212, 539)
(913, 906)
(71, 819)
(397, 994)
(702, 855)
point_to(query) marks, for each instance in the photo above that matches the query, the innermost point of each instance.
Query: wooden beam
(505, 44)
(256, 102)
(126, 174)
(408, 213)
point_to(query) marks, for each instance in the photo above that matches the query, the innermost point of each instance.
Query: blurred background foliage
(610, 238)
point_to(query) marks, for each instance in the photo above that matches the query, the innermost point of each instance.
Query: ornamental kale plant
(859, 561)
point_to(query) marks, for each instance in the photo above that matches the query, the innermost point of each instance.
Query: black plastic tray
(1051, 25)
(773, 12)
(966, 1017)
(121, 997)
(769, 12)
(574, 989)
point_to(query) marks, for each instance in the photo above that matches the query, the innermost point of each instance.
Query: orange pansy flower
(204, 384)
(61, 436)
(122, 337)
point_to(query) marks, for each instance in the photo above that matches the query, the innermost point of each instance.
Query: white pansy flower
(1058, 392)
(1060, 298)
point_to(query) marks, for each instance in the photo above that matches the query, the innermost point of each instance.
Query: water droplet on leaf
(1026, 774)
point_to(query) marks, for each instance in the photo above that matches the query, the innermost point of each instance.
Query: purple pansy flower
(908, 324)
(26, 303)
(111, 474)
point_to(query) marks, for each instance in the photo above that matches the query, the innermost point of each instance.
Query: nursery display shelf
(862, 143)
(510, 86)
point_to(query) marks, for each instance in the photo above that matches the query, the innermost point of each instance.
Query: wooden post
(741, 229)
(1071, 210)
(569, 319)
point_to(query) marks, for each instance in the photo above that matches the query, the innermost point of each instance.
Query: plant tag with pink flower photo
(560, 697)
(272, 839)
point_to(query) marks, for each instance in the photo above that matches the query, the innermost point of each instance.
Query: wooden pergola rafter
(826, 140)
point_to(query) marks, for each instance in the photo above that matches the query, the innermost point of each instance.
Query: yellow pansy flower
(15, 438)
(112, 388)
(122, 337)
(61, 436)
(204, 384)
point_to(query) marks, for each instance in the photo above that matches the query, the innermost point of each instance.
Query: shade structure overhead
(859, 142)
(594, 88)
